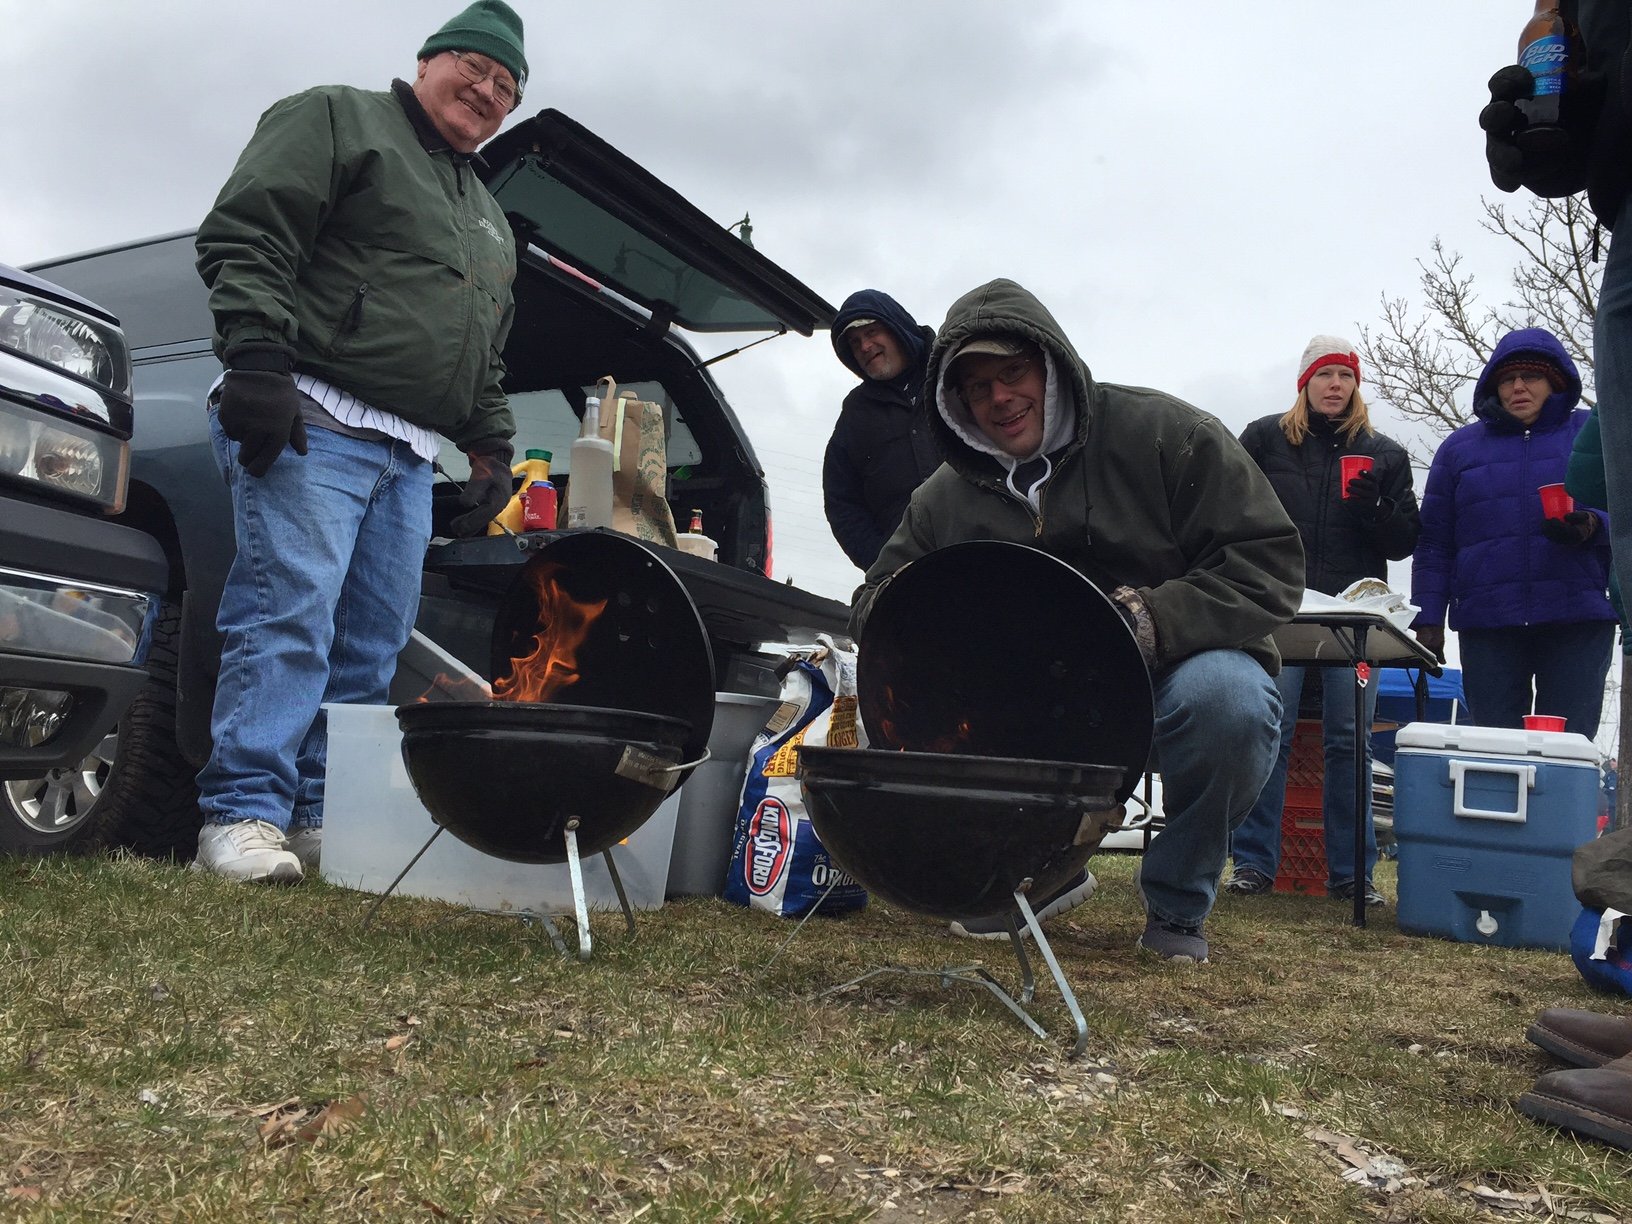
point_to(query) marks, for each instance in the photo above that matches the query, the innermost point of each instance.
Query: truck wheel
(134, 789)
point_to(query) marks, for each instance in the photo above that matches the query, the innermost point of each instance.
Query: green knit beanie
(489, 27)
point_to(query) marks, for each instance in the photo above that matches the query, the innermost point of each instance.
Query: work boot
(1581, 1038)
(1595, 1102)
(306, 844)
(247, 850)
(1068, 896)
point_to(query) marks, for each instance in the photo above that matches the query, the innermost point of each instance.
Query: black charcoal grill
(550, 781)
(1010, 713)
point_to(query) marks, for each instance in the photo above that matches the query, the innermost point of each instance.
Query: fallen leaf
(824, 1159)
(1289, 1111)
(398, 1041)
(334, 1117)
(31, 1193)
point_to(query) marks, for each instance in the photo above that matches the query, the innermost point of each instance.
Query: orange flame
(563, 624)
(897, 712)
(456, 688)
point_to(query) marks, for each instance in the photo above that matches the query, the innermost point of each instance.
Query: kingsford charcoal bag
(777, 862)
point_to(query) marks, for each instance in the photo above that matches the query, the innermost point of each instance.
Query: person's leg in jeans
(1337, 795)
(375, 613)
(1496, 676)
(1612, 368)
(296, 527)
(1571, 663)
(1256, 842)
(1218, 720)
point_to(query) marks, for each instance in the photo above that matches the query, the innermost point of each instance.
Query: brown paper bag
(639, 465)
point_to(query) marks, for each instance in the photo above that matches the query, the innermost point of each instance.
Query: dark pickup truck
(611, 263)
(79, 592)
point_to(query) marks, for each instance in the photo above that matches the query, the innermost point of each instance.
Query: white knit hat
(1327, 350)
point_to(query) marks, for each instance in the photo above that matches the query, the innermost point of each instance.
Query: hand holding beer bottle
(1539, 119)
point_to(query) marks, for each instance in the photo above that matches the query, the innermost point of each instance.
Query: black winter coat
(881, 450)
(1341, 544)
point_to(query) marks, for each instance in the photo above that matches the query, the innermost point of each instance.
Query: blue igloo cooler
(1487, 819)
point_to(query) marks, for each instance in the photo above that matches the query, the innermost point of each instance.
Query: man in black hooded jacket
(881, 449)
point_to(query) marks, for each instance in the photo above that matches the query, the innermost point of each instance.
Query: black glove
(489, 487)
(260, 409)
(1574, 529)
(1432, 639)
(1550, 162)
(1364, 493)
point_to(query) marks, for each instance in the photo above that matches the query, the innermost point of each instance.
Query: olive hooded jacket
(1138, 489)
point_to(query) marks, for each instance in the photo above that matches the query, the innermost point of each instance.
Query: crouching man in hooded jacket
(1155, 503)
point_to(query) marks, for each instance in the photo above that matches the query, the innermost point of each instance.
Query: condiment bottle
(589, 488)
(693, 540)
(535, 465)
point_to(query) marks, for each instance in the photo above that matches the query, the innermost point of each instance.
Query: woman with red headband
(1351, 530)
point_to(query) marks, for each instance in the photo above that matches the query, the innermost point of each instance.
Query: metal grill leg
(1054, 968)
(580, 903)
(617, 883)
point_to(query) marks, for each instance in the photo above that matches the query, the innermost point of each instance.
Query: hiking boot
(1173, 942)
(1596, 1102)
(306, 844)
(1581, 1038)
(1249, 882)
(1345, 892)
(247, 850)
(1073, 893)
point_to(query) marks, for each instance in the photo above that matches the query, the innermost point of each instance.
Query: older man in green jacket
(1156, 503)
(360, 278)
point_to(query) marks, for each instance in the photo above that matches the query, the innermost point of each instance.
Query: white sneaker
(247, 850)
(306, 844)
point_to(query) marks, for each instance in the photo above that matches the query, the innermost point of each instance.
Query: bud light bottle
(1544, 48)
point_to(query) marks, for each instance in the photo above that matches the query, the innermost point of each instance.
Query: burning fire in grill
(898, 714)
(552, 665)
(563, 624)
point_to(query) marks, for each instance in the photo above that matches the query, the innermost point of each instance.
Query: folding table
(1359, 641)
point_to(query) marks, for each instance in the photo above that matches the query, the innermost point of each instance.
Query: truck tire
(133, 790)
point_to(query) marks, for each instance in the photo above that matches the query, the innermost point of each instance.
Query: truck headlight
(60, 337)
(63, 456)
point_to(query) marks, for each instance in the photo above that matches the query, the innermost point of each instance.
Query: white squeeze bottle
(589, 482)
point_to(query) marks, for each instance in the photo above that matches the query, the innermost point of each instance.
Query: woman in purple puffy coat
(1526, 594)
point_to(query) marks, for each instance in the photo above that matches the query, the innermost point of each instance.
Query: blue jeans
(1257, 843)
(1565, 663)
(318, 603)
(1612, 360)
(1216, 719)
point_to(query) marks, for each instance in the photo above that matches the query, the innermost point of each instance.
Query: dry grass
(177, 1048)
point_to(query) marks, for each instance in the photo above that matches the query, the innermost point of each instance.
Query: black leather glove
(260, 408)
(488, 488)
(1548, 162)
(1574, 529)
(1364, 493)
(1432, 638)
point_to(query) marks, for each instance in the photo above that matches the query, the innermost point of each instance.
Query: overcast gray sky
(1194, 188)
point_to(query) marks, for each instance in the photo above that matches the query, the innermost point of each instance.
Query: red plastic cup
(1352, 466)
(1543, 722)
(1555, 503)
